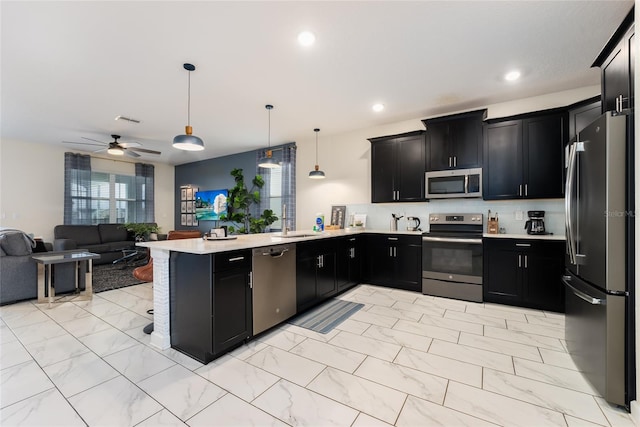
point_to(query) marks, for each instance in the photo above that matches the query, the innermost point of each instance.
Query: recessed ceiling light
(377, 107)
(306, 38)
(512, 76)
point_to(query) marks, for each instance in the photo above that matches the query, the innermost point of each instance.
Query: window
(101, 197)
(280, 185)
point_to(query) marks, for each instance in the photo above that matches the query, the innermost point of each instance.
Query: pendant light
(316, 173)
(188, 142)
(268, 161)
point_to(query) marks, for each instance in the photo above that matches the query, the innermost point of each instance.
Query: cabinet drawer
(235, 259)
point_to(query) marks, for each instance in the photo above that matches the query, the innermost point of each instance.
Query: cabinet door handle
(520, 190)
(392, 238)
(524, 245)
(449, 161)
(519, 261)
(526, 261)
(455, 161)
(250, 280)
(526, 189)
(319, 261)
(395, 252)
(238, 258)
(390, 251)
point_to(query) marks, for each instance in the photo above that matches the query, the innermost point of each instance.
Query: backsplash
(379, 214)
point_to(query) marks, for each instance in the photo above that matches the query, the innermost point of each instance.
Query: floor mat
(326, 317)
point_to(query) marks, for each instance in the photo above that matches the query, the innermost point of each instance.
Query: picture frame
(183, 219)
(183, 194)
(183, 207)
(189, 220)
(189, 193)
(189, 206)
(338, 214)
(194, 221)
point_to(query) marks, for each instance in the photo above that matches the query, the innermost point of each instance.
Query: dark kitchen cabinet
(582, 114)
(395, 261)
(315, 272)
(455, 142)
(349, 262)
(397, 168)
(210, 304)
(524, 157)
(524, 272)
(617, 63)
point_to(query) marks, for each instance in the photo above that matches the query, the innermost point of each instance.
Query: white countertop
(526, 236)
(249, 241)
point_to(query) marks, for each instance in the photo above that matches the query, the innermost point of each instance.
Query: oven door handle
(451, 240)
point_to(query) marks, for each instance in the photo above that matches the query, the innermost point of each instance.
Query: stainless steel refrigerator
(596, 278)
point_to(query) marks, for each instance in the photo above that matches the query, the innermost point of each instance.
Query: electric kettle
(413, 223)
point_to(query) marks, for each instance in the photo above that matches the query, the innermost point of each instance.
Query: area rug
(113, 276)
(326, 317)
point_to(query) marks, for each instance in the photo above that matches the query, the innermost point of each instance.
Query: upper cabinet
(397, 168)
(582, 114)
(455, 142)
(523, 157)
(617, 63)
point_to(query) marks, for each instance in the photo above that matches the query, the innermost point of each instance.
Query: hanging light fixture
(188, 142)
(268, 161)
(316, 173)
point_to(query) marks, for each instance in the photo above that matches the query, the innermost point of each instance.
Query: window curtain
(286, 156)
(145, 199)
(77, 188)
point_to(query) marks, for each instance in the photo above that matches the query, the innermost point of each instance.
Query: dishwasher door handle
(276, 254)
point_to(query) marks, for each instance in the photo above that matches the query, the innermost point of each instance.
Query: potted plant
(141, 230)
(239, 205)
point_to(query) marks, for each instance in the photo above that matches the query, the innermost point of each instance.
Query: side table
(83, 263)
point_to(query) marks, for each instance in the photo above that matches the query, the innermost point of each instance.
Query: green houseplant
(239, 205)
(141, 230)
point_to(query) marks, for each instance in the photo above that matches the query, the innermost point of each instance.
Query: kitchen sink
(296, 235)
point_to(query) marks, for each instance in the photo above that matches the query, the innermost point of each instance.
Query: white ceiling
(68, 68)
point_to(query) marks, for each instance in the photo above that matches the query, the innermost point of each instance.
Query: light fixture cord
(269, 134)
(316, 148)
(189, 102)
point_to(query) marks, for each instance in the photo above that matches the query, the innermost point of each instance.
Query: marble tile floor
(405, 359)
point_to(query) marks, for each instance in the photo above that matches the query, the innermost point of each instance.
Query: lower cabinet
(315, 272)
(395, 261)
(210, 304)
(349, 262)
(524, 272)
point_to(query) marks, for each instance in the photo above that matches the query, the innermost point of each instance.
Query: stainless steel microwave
(453, 183)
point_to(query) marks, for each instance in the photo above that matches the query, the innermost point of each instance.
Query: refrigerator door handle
(582, 295)
(568, 207)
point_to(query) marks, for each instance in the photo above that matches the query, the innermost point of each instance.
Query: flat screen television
(211, 204)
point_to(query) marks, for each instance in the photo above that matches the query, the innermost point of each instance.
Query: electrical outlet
(519, 215)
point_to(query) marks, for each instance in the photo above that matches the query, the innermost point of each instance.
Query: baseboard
(635, 411)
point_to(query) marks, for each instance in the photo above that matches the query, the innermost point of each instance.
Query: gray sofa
(106, 240)
(19, 272)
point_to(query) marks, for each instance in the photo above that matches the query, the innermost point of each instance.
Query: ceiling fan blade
(100, 150)
(131, 153)
(94, 140)
(82, 143)
(144, 150)
(129, 144)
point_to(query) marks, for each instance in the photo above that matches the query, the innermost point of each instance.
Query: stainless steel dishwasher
(274, 285)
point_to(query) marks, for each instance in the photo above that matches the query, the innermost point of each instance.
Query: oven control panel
(455, 218)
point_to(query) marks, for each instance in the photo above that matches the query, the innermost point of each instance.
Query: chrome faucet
(285, 229)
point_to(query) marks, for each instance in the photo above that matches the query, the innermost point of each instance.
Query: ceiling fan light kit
(316, 173)
(268, 161)
(115, 149)
(188, 141)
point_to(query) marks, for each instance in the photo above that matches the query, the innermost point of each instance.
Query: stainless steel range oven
(452, 256)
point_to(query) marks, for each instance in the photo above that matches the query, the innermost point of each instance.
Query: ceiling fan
(116, 148)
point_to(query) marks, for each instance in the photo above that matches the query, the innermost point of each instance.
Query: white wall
(32, 187)
(345, 159)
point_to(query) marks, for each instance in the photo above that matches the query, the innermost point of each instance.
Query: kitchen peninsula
(161, 252)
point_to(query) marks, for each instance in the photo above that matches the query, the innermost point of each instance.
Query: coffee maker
(535, 223)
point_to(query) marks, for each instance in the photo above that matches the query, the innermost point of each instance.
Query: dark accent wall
(211, 174)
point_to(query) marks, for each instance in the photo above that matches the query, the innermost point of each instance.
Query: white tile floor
(405, 359)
